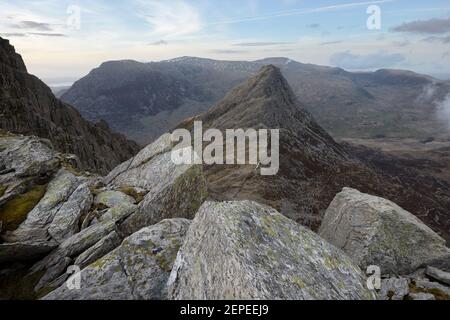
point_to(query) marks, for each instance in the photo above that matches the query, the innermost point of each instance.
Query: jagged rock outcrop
(244, 250)
(137, 270)
(29, 107)
(375, 231)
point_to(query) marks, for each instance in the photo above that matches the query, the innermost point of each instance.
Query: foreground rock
(375, 231)
(171, 191)
(244, 250)
(137, 270)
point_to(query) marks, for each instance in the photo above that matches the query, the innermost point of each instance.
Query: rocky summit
(29, 107)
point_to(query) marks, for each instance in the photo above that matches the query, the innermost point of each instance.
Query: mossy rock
(15, 211)
(2, 190)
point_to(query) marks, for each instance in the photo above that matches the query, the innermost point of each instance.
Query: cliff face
(27, 106)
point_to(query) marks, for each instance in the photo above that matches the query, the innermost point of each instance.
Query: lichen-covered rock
(112, 199)
(244, 250)
(136, 270)
(22, 156)
(171, 191)
(127, 173)
(66, 220)
(35, 227)
(101, 248)
(375, 231)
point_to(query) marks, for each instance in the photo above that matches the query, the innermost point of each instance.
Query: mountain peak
(9, 56)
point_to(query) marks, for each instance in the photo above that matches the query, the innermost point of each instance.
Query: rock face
(244, 250)
(137, 270)
(29, 107)
(375, 231)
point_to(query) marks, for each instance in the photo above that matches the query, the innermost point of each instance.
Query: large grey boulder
(244, 250)
(375, 231)
(172, 191)
(137, 270)
(56, 216)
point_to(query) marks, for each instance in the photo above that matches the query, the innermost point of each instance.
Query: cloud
(347, 60)
(297, 12)
(40, 26)
(172, 18)
(13, 34)
(404, 43)
(330, 43)
(159, 43)
(313, 26)
(226, 51)
(43, 34)
(444, 40)
(443, 110)
(432, 26)
(260, 44)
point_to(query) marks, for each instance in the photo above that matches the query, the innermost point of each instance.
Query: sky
(62, 40)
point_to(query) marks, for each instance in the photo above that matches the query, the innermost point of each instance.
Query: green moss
(15, 211)
(130, 191)
(2, 190)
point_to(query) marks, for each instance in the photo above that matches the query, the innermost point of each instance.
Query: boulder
(245, 250)
(375, 231)
(172, 191)
(137, 270)
(38, 221)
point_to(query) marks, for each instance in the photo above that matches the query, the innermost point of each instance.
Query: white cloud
(171, 18)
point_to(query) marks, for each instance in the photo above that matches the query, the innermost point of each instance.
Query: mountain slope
(29, 107)
(387, 103)
(313, 167)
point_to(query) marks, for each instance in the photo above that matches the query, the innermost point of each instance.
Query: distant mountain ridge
(29, 107)
(385, 103)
